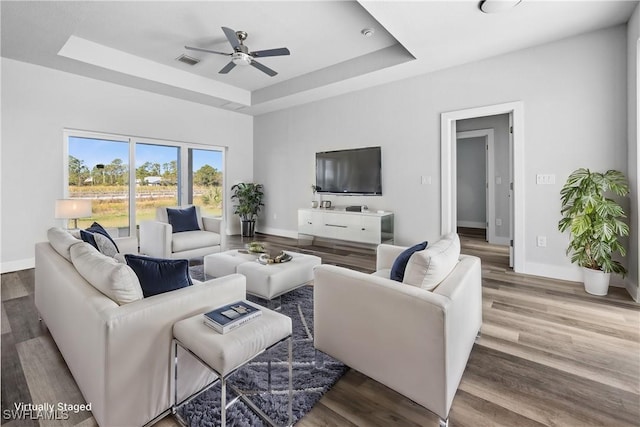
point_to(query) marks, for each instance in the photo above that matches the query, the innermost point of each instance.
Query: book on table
(231, 316)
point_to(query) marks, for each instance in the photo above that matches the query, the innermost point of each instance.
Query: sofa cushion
(159, 275)
(61, 240)
(117, 281)
(188, 240)
(183, 219)
(427, 268)
(400, 264)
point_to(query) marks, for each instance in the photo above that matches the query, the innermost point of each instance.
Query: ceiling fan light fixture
(241, 58)
(497, 6)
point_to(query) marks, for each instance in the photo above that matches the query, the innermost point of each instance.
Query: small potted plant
(248, 197)
(595, 223)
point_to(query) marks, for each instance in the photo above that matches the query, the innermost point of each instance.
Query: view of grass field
(110, 203)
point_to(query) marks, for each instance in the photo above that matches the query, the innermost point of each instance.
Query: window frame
(184, 180)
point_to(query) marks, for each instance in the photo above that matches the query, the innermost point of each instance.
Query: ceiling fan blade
(231, 36)
(227, 68)
(263, 68)
(271, 52)
(206, 50)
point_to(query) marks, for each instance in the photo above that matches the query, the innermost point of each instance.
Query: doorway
(515, 178)
(475, 190)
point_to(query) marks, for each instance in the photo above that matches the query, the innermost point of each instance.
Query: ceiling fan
(241, 54)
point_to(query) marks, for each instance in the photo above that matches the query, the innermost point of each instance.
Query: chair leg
(443, 422)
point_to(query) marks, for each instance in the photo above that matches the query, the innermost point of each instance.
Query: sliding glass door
(98, 169)
(157, 179)
(101, 168)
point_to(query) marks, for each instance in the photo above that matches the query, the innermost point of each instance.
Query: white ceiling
(135, 43)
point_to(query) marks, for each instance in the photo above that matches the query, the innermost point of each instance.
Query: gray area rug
(309, 383)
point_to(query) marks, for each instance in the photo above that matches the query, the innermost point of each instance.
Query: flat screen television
(351, 172)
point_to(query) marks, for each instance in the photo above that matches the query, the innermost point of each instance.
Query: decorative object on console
(158, 276)
(183, 219)
(248, 198)
(400, 264)
(73, 209)
(595, 224)
(316, 196)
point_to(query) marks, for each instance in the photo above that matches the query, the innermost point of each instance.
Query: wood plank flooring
(550, 354)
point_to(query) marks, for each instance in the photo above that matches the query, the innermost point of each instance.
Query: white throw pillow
(61, 240)
(115, 280)
(427, 268)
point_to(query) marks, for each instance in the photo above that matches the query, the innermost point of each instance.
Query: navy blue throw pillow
(400, 264)
(88, 237)
(97, 228)
(157, 275)
(183, 219)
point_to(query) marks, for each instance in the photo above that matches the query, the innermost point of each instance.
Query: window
(99, 167)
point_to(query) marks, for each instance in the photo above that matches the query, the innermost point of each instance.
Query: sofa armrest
(155, 239)
(215, 225)
(127, 245)
(386, 255)
(138, 341)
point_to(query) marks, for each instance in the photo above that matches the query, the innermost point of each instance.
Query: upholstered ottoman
(224, 354)
(265, 281)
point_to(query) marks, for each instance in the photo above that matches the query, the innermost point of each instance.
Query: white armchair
(158, 240)
(413, 340)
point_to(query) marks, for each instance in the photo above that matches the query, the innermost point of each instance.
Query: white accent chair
(158, 240)
(413, 340)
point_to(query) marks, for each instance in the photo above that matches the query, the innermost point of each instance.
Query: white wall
(575, 114)
(472, 191)
(633, 45)
(37, 103)
(500, 125)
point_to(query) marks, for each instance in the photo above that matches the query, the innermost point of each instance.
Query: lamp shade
(73, 208)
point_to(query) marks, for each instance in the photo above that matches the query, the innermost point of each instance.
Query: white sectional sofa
(120, 355)
(413, 340)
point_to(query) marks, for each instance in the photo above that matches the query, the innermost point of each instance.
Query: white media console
(359, 227)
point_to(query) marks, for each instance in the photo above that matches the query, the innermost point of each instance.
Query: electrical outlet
(425, 179)
(542, 241)
(499, 222)
(275, 216)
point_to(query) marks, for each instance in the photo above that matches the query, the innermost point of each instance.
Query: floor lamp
(73, 209)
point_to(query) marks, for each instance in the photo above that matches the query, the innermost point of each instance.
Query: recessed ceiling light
(367, 32)
(496, 6)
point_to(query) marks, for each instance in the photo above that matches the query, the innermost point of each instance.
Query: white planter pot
(596, 282)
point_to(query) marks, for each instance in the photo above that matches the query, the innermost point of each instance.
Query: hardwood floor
(549, 355)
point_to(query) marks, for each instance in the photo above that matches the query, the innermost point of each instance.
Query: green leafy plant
(248, 197)
(594, 221)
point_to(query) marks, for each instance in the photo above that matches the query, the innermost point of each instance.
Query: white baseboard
(571, 273)
(21, 264)
(472, 224)
(633, 290)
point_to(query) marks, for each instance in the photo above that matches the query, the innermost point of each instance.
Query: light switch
(545, 179)
(498, 180)
(426, 179)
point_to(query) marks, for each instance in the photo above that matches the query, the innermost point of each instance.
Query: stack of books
(231, 316)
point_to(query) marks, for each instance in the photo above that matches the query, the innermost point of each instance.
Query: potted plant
(248, 197)
(595, 224)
